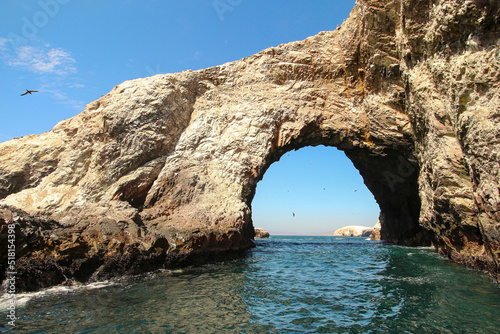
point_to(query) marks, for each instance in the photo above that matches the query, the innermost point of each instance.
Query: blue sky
(320, 186)
(74, 51)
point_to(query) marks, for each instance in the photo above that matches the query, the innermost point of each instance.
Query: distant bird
(293, 213)
(29, 92)
(356, 190)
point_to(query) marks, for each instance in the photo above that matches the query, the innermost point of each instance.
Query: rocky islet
(161, 171)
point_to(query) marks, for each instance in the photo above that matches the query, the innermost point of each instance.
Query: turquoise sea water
(285, 285)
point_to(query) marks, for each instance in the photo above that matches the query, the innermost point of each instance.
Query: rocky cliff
(161, 172)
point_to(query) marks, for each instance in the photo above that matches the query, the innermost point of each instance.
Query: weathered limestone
(161, 171)
(353, 231)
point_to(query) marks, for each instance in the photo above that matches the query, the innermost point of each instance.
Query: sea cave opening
(313, 191)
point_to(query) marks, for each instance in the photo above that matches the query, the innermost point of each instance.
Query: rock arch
(161, 171)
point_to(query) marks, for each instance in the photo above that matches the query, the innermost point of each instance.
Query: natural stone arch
(387, 165)
(392, 179)
(161, 171)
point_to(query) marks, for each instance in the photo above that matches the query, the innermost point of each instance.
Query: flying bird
(29, 92)
(293, 214)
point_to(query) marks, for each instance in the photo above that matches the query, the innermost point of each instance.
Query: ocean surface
(285, 285)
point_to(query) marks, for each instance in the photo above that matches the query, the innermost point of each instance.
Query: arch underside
(391, 176)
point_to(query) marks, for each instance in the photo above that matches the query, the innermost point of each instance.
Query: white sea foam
(23, 298)
(425, 247)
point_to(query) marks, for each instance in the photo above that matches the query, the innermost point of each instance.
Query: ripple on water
(287, 285)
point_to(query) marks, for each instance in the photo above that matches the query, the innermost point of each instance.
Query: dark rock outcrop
(261, 233)
(162, 171)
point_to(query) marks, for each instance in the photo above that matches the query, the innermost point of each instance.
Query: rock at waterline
(260, 233)
(376, 232)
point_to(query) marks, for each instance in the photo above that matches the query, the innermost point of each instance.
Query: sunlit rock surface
(376, 231)
(161, 172)
(261, 233)
(353, 231)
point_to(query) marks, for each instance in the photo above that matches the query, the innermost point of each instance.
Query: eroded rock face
(162, 171)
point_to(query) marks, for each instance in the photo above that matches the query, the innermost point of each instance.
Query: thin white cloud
(3, 44)
(62, 98)
(55, 68)
(43, 60)
(76, 85)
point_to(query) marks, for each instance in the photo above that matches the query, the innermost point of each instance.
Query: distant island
(353, 231)
(359, 231)
(261, 233)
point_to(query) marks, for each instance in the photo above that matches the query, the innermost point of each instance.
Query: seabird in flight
(29, 92)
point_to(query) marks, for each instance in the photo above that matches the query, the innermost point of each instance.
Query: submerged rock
(353, 231)
(261, 233)
(161, 171)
